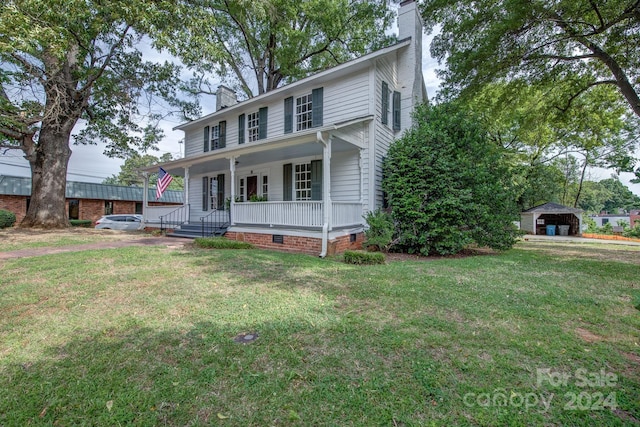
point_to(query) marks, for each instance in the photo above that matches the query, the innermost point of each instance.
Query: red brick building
(84, 200)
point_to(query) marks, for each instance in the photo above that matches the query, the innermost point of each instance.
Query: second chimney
(225, 97)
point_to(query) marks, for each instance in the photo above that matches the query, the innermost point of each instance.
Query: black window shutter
(385, 103)
(396, 110)
(205, 193)
(206, 138)
(316, 180)
(262, 123)
(287, 180)
(288, 115)
(241, 129)
(223, 134)
(316, 107)
(220, 193)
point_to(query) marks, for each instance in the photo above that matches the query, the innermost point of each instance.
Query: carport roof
(21, 186)
(554, 208)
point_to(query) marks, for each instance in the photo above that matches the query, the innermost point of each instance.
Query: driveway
(576, 239)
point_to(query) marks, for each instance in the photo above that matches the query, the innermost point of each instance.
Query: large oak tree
(66, 61)
(255, 46)
(574, 44)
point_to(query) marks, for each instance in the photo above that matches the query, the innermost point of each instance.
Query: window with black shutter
(288, 115)
(287, 179)
(205, 193)
(396, 110)
(241, 121)
(385, 103)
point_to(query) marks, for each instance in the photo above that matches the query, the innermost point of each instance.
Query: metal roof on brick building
(21, 186)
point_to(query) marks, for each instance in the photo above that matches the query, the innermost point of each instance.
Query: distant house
(613, 219)
(634, 218)
(562, 219)
(298, 167)
(84, 200)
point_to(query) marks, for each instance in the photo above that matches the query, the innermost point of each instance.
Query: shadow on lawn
(293, 374)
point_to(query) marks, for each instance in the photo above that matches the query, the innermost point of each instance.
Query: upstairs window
(303, 112)
(215, 136)
(396, 111)
(385, 104)
(253, 126)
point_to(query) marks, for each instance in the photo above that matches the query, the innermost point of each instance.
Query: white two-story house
(297, 168)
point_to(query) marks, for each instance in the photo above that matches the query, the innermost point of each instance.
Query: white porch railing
(295, 214)
(153, 213)
(301, 214)
(346, 213)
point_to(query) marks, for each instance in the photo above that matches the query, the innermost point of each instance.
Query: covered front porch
(314, 181)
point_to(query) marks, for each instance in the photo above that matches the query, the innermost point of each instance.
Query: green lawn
(144, 336)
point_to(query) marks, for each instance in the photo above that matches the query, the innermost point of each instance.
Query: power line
(68, 172)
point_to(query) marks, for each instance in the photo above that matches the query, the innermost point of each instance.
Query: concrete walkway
(576, 239)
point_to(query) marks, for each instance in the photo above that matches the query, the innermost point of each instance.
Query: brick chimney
(410, 78)
(225, 97)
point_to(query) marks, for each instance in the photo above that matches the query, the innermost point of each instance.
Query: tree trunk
(49, 162)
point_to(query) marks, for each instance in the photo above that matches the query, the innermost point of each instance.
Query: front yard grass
(144, 336)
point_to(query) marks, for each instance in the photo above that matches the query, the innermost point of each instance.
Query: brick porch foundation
(298, 244)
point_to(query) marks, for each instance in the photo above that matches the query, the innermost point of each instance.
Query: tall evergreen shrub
(448, 185)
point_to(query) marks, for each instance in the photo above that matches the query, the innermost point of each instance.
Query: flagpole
(145, 197)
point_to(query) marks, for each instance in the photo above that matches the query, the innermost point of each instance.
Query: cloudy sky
(89, 164)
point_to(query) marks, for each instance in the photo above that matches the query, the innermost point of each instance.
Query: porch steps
(193, 230)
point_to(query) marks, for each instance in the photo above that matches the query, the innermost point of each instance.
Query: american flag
(164, 179)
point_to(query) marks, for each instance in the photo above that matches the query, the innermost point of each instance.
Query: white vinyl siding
(383, 134)
(345, 177)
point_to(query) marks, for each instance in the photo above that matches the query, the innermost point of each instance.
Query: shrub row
(220, 243)
(361, 257)
(7, 219)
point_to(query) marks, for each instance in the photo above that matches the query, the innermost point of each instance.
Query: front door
(252, 186)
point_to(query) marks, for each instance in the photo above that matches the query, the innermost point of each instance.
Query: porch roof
(299, 144)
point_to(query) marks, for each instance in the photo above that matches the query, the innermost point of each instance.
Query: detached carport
(536, 220)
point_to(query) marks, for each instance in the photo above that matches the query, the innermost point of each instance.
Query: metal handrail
(220, 218)
(175, 218)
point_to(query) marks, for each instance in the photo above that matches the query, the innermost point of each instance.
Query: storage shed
(552, 218)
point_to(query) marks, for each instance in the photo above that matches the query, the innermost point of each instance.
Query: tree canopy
(129, 175)
(255, 46)
(65, 62)
(574, 45)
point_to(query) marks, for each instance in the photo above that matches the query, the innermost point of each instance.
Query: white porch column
(361, 166)
(232, 168)
(145, 196)
(325, 140)
(186, 185)
(326, 182)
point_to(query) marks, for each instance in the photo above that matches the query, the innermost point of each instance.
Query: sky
(89, 164)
